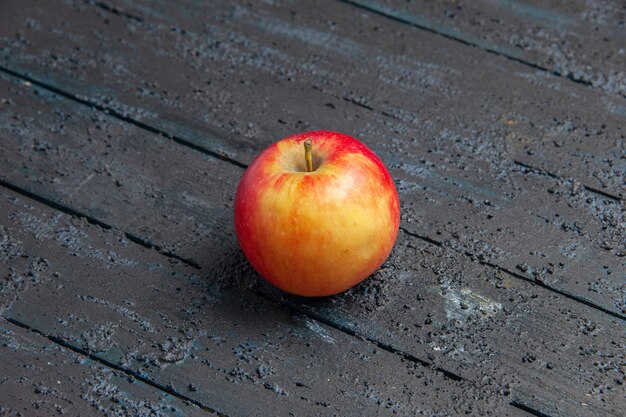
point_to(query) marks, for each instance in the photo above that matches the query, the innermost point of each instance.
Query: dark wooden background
(126, 125)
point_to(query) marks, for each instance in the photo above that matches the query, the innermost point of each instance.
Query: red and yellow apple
(316, 213)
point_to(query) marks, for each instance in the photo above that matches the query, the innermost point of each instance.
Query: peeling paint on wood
(370, 307)
(513, 209)
(227, 349)
(41, 378)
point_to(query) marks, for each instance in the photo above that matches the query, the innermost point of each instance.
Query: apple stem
(308, 156)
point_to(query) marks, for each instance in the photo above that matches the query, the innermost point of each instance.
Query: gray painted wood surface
(179, 328)
(119, 168)
(580, 40)
(465, 167)
(40, 378)
(505, 292)
(418, 85)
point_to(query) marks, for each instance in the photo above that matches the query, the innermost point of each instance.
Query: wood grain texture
(40, 378)
(581, 40)
(182, 200)
(230, 350)
(492, 205)
(297, 63)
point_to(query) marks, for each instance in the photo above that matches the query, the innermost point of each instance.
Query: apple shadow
(230, 276)
(245, 296)
(226, 268)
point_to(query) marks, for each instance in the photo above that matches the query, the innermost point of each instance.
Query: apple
(316, 213)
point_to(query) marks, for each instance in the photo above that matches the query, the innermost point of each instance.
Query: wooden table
(125, 127)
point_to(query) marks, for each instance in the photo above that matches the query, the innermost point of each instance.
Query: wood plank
(580, 40)
(459, 170)
(461, 316)
(190, 213)
(43, 379)
(230, 350)
(300, 65)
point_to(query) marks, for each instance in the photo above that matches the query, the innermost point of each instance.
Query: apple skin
(317, 233)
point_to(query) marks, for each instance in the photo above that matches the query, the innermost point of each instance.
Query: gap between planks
(111, 365)
(72, 212)
(373, 8)
(116, 11)
(239, 164)
(528, 409)
(182, 141)
(507, 271)
(539, 171)
(120, 116)
(380, 11)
